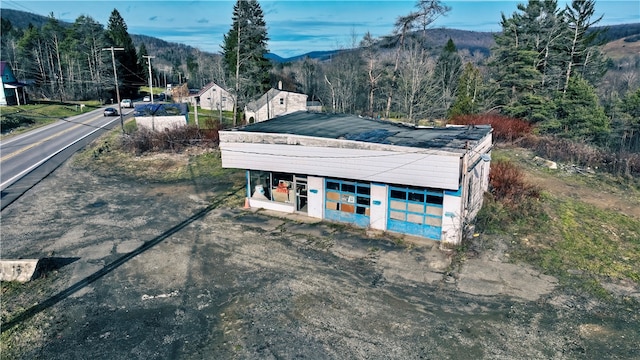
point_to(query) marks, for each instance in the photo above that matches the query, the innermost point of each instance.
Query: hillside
(169, 53)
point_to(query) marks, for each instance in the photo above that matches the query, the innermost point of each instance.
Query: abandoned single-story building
(275, 102)
(421, 181)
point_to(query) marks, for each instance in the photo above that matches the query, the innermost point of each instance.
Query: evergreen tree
(244, 48)
(580, 115)
(625, 135)
(143, 63)
(445, 77)
(127, 60)
(468, 92)
(582, 54)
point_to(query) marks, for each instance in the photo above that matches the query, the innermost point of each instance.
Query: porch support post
(248, 183)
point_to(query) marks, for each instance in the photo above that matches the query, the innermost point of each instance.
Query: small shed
(422, 181)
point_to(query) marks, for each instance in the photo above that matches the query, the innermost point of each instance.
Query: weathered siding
(291, 102)
(159, 123)
(452, 217)
(417, 169)
(215, 97)
(315, 197)
(379, 196)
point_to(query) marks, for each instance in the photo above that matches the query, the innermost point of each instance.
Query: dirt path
(146, 279)
(628, 204)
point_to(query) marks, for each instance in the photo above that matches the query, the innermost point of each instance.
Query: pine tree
(244, 48)
(445, 77)
(582, 55)
(127, 60)
(468, 92)
(580, 114)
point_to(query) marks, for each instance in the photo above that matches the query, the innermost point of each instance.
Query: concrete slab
(21, 270)
(479, 277)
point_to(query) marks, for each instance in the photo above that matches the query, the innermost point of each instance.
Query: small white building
(213, 97)
(274, 103)
(388, 176)
(161, 117)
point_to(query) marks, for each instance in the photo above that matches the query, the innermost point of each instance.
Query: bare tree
(428, 11)
(414, 75)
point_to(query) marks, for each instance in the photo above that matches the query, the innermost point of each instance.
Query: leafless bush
(504, 128)
(175, 139)
(582, 154)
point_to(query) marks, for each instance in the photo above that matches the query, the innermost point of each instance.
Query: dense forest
(546, 66)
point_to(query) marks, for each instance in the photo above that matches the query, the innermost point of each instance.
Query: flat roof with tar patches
(351, 127)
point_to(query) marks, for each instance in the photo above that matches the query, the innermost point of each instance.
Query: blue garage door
(415, 211)
(348, 201)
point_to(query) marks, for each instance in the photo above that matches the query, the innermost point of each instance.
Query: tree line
(547, 67)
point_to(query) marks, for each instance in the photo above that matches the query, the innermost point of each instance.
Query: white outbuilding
(421, 181)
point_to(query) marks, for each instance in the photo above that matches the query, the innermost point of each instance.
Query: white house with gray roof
(388, 176)
(213, 97)
(274, 103)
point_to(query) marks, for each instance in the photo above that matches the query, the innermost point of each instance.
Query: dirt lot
(147, 271)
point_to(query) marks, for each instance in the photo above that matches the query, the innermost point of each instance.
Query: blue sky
(294, 26)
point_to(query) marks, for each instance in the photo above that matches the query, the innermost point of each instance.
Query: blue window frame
(416, 211)
(348, 201)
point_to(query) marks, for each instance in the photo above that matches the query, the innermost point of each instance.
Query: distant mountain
(316, 55)
(473, 41)
(22, 19)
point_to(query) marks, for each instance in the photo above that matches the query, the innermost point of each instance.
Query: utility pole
(150, 82)
(235, 105)
(115, 76)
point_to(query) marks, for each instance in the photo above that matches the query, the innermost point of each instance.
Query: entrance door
(300, 185)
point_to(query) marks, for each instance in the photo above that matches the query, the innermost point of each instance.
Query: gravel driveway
(149, 271)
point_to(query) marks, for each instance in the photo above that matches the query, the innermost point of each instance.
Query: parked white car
(147, 98)
(126, 103)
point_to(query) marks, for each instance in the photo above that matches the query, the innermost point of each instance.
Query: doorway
(300, 185)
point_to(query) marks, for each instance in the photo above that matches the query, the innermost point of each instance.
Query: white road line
(22, 173)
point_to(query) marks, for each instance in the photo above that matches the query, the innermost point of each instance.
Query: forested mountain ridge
(168, 53)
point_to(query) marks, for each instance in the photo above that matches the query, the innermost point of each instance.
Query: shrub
(175, 139)
(507, 184)
(504, 128)
(10, 122)
(510, 201)
(581, 154)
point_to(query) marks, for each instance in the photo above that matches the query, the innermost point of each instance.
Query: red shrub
(504, 128)
(507, 184)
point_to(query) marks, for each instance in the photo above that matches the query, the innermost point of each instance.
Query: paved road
(28, 158)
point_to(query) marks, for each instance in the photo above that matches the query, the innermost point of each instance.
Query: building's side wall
(417, 169)
(214, 96)
(3, 97)
(159, 123)
(315, 197)
(452, 217)
(291, 102)
(379, 207)
(271, 205)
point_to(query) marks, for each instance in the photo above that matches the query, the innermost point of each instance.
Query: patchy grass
(582, 244)
(210, 119)
(18, 119)
(107, 157)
